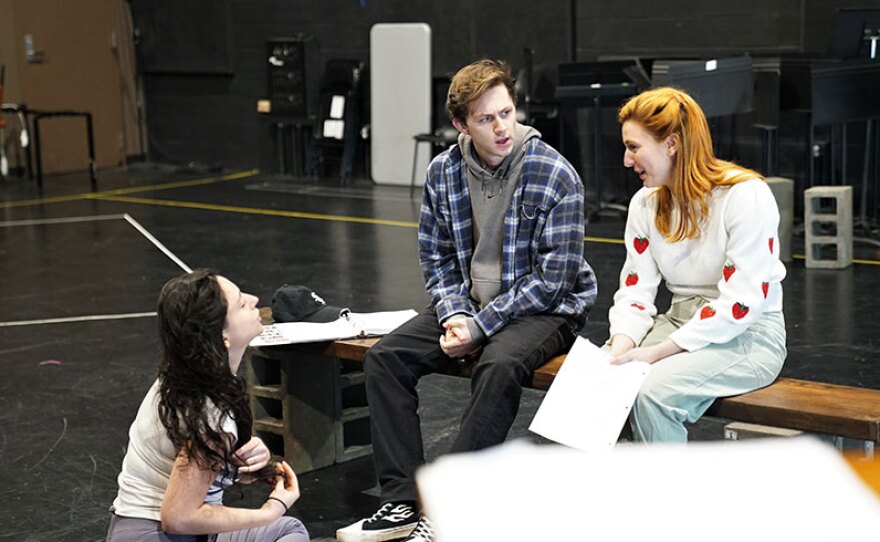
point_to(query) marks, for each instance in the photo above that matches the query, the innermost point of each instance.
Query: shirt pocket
(531, 223)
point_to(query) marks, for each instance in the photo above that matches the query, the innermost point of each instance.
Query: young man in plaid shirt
(501, 247)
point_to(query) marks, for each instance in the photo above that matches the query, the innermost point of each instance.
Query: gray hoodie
(491, 193)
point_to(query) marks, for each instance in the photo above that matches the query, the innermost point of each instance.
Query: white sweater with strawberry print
(734, 262)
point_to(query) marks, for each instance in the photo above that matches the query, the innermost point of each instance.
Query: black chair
(338, 121)
(536, 105)
(440, 138)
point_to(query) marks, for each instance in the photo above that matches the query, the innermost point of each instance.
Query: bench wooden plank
(809, 406)
(545, 374)
(353, 349)
(815, 407)
(356, 350)
(844, 411)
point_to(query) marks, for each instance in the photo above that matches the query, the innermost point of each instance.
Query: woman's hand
(648, 354)
(620, 344)
(286, 487)
(251, 457)
(184, 510)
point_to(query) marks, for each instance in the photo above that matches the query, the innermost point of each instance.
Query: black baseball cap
(299, 303)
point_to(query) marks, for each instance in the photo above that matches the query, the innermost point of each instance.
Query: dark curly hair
(194, 371)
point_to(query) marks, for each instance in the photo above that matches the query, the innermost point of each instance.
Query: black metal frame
(40, 115)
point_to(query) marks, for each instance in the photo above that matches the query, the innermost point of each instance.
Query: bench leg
(869, 450)
(306, 409)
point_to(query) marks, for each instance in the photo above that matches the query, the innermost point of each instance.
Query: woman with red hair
(707, 227)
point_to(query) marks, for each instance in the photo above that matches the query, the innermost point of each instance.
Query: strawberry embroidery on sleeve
(640, 244)
(632, 279)
(707, 312)
(729, 270)
(764, 287)
(739, 311)
(636, 305)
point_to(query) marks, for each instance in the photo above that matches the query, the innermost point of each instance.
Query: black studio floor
(70, 388)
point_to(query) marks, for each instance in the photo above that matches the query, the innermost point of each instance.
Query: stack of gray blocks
(828, 226)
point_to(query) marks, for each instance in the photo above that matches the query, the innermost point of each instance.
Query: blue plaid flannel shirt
(543, 266)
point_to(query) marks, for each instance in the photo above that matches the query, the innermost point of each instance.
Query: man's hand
(253, 456)
(457, 342)
(649, 354)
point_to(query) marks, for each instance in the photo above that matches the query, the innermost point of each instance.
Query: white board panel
(400, 100)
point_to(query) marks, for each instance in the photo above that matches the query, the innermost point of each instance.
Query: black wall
(204, 110)
(203, 62)
(699, 29)
(686, 28)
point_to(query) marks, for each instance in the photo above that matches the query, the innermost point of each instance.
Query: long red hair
(665, 112)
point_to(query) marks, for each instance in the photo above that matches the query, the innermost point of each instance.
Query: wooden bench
(815, 407)
(313, 411)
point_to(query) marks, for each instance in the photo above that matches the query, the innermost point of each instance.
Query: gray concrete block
(743, 431)
(828, 226)
(783, 192)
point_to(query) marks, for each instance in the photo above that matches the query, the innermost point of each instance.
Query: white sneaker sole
(355, 533)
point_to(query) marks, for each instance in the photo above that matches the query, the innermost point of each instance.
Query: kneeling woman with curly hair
(192, 434)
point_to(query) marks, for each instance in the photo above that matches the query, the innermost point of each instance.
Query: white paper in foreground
(761, 490)
(590, 399)
(354, 324)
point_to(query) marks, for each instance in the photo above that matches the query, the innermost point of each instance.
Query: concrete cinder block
(783, 192)
(828, 226)
(743, 431)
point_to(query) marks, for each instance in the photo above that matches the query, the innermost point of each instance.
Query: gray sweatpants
(283, 529)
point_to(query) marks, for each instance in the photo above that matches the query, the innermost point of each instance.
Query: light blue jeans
(682, 387)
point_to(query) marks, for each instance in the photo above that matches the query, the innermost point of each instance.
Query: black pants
(394, 365)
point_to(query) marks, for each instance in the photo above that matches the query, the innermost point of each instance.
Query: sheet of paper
(380, 323)
(356, 324)
(590, 399)
(759, 490)
(333, 129)
(304, 332)
(337, 106)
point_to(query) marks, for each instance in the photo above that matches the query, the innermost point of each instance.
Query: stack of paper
(590, 399)
(354, 324)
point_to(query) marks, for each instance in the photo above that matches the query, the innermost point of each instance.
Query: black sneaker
(391, 521)
(424, 532)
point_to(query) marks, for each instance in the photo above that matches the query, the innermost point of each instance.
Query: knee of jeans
(653, 395)
(292, 525)
(499, 371)
(374, 359)
(374, 369)
(384, 365)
